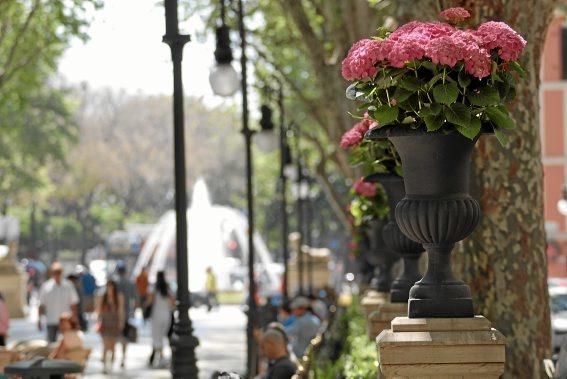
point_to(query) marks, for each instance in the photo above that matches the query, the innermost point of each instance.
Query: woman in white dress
(163, 303)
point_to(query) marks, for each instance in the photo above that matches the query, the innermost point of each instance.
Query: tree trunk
(504, 261)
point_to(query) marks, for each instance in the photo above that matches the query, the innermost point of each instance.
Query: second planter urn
(437, 211)
(409, 250)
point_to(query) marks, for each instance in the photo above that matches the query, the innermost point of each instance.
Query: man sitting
(305, 327)
(274, 347)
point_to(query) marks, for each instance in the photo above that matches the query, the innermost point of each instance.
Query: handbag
(130, 332)
(147, 311)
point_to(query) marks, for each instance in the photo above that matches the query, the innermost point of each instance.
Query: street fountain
(216, 238)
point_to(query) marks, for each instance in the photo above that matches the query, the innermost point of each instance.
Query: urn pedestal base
(381, 318)
(372, 301)
(441, 348)
(13, 282)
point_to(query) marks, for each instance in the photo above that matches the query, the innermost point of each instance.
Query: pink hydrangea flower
(364, 189)
(455, 15)
(355, 135)
(444, 50)
(406, 48)
(427, 29)
(351, 138)
(362, 58)
(498, 35)
(478, 62)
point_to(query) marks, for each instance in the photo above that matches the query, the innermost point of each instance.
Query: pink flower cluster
(455, 15)
(498, 35)
(355, 135)
(442, 43)
(362, 58)
(364, 189)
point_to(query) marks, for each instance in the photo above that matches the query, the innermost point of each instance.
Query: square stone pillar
(381, 318)
(13, 283)
(441, 348)
(372, 301)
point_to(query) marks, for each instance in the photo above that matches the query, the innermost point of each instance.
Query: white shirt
(57, 299)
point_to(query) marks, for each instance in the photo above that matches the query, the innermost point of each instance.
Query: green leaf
(446, 93)
(458, 114)
(411, 104)
(472, 131)
(386, 82)
(518, 68)
(434, 80)
(402, 94)
(410, 83)
(432, 109)
(434, 122)
(484, 96)
(464, 79)
(499, 116)
(429, 65)
(501, 136)
(386, 114)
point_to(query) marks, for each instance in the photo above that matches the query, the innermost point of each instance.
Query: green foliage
(357, 358)
(35, 123)
(364, 209)
(469, 104)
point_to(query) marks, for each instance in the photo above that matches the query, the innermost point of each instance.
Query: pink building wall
(553, 97)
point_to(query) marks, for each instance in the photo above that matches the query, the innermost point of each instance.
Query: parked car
(558, 304)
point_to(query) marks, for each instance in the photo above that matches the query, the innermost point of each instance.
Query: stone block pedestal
(441, 348)
(381, 318)
(372, 301)
(13, 282)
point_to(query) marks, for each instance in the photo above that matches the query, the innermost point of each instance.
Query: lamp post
(285, 162)
(307, 180)
(298, 176)
(223, 83)
(183, 343)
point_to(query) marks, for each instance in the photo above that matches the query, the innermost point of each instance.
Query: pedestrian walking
(211, 288)
(110, 322)
(162, 302)
(75, 281)
(88, 283)
(143, 285)
(4, 321)
(56, 296)
(130, 295)
(71, 337)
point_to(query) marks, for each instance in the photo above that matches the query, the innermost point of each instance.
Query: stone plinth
(372, 301)
(381, 318)
(322, 269)
(441, 348)
(13, 282)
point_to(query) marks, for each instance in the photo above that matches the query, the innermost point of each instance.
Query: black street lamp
(285, 163)
(299, 187)
(223, 79)
(307, 181)
(183, 343)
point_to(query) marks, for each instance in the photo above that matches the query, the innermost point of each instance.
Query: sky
(125, 51)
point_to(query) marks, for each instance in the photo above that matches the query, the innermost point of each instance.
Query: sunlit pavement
(221, 335)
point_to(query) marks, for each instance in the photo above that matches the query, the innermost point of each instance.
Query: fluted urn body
(409, 250)
(437, 211)
(380, 256)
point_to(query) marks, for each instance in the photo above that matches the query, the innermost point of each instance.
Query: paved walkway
(222, 345)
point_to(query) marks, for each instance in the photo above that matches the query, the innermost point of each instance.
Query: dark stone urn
(437, 212)
(409, 250)
(380, 257)
(364, 257)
